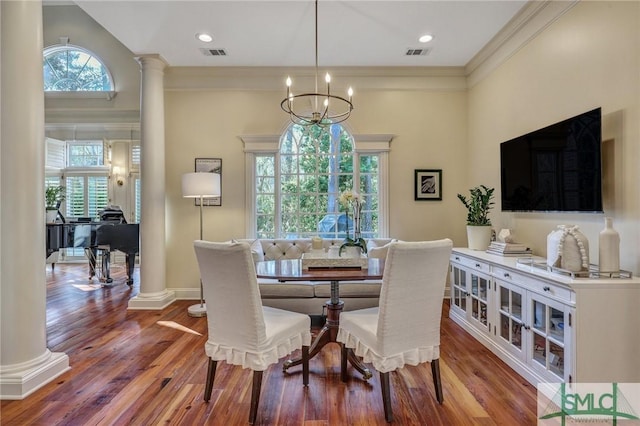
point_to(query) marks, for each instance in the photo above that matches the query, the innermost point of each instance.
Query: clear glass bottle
(609, 248)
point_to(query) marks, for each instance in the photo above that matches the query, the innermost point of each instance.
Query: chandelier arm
(325, 113)
(318, 117)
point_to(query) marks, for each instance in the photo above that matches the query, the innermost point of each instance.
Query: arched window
(297, 178)
(69, 68)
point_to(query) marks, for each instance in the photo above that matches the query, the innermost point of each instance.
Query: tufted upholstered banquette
(309, 296)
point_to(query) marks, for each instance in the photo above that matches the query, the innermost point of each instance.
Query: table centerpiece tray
(313, 260)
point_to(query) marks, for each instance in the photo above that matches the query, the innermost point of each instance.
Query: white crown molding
(107, 131)
(273, 78)
(93, 126)
(534, 18)
(91, 115)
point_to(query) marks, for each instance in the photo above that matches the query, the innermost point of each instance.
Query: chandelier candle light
(297, 105)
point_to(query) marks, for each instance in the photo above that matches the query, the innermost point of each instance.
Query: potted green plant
(478, 205)
(52, 195)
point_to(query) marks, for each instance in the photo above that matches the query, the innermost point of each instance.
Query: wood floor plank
(128, 370)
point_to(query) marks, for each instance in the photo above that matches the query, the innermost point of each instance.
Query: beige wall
(429, 128)
(588, 58)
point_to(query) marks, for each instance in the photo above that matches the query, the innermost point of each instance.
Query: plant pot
(351, 252)
(51, 215)
(479, 237)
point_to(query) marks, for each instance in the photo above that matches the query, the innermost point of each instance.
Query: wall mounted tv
(557, 168)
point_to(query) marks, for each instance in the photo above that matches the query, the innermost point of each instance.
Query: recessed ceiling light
(425, 38)
(204, 37)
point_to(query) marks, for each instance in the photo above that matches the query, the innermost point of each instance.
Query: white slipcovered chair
(242, 331)
(405, 328)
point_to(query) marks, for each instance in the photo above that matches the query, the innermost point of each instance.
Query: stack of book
(508, 249)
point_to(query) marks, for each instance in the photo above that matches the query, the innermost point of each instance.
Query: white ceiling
(281, 33)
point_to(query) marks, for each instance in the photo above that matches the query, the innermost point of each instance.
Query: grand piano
(109, 234)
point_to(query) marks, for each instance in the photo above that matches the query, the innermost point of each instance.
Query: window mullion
(356, 172)
(278, 197)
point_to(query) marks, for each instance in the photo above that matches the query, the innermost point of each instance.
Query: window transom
(70, 68)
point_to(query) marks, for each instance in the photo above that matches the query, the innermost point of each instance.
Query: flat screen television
(557, 168)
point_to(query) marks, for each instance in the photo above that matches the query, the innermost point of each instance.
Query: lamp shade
(200, 184)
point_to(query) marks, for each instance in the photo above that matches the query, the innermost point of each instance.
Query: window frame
(87, 142)
(86, 94)
(85, 175)
(368, 144)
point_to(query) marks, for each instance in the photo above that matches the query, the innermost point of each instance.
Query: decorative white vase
(479, 237)
(609, 248)
(568, 248)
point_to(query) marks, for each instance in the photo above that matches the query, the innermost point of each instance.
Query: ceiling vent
(213, 52)
(417, 52)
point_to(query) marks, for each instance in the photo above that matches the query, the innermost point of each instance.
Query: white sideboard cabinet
(548, 326)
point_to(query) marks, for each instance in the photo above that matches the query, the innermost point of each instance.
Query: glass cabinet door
(479, 293)
(459, 287)
(511, 322)
(548, 321)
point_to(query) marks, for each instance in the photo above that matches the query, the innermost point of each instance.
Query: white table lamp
(200, 185)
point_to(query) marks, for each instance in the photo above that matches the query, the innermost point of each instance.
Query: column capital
(152, 61)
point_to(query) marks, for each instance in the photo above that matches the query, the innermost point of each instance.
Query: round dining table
(292, 270)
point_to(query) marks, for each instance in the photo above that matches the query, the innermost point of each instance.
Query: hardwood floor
(127, 369)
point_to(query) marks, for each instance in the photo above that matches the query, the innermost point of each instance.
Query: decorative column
(153, 290)
(27, 364)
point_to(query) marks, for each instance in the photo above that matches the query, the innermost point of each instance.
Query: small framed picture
(428, 185)
(210, 165)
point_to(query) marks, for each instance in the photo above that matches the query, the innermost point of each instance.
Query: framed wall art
(210, 165)
(428, 185)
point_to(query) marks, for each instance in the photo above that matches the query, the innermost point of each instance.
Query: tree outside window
(70, 68)
(297, 188)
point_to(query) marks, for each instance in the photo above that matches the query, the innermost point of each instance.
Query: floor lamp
(200, 185)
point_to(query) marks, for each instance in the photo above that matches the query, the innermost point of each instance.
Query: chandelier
(325, 107)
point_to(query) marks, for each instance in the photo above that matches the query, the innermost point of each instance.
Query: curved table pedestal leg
(358, 364)
(327, 335)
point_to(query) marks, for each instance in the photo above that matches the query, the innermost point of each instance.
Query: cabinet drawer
(541, 287)
(471, 264)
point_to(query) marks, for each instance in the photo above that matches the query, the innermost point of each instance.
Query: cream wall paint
(589, 57)
(430, 133)
(429, 129)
